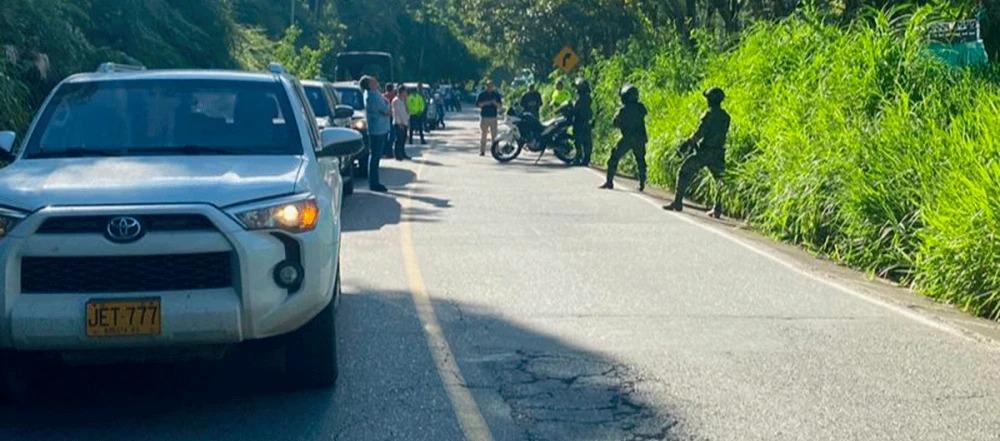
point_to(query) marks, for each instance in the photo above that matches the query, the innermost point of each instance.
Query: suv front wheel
(311, 351)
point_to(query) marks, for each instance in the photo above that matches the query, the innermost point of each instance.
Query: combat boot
(677, 205)
(716, 211)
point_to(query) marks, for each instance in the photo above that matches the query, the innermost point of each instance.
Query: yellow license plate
(120, 318)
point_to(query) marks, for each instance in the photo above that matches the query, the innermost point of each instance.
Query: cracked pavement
(573, 314)
(565, 397)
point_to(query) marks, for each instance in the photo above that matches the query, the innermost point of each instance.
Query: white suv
(166, 213)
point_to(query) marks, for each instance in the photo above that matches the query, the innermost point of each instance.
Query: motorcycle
(523, 130)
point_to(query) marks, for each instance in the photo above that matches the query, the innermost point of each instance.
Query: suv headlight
(294, 217)
(8, 219)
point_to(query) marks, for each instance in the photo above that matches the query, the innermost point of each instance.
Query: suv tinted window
(166, 117)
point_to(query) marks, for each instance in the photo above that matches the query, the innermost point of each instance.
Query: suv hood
(31, 184)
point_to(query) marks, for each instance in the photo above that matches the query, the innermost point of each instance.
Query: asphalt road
(558, 312)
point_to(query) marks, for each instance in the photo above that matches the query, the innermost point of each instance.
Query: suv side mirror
(340, 142)
(343, 111)
(7, 139)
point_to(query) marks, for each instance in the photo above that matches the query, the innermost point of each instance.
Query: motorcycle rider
(631, 121)
(709, 144)
(582, 122)
(531, 101)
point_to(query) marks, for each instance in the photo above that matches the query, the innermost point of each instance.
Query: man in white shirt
(401, 122)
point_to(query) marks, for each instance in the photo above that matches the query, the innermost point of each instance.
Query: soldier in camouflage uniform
(582, 116)
(709, 145)
(631, 120)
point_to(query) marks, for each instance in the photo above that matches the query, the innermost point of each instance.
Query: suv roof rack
(276, 68)
(116, 67)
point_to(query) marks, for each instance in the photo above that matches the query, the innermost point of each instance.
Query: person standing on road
(631, 121)
(378, 129)
(440, 109)
(709, 145)
(582, 123)
(531, 101)
(390, 92)
(416, 106)
(390, 95)
(401, 118)
(560, 96)
(489, 102)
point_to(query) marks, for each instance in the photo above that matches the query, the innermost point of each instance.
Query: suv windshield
(351, 97)
(166, 117)
(317, 99)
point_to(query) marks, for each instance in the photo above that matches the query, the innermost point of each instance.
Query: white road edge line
(917, 317)
(469, 416)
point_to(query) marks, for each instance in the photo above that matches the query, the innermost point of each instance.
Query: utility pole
(291, 17)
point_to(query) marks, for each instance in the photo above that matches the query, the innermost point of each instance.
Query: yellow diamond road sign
(567, 60)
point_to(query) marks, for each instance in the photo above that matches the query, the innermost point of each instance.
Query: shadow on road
(370, 211)
(530, 386)
(367, 211)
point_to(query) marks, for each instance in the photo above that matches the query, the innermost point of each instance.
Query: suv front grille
(99, 224)
(121, 274)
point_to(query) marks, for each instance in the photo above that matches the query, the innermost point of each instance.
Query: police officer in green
(631, 120)
(709, 145)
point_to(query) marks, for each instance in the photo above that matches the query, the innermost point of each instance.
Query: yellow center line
(466, 410)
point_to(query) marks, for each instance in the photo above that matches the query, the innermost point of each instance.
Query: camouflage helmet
(715, 96)
(629, 93)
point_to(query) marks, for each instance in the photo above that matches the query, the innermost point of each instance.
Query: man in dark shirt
(531, 101)
(489, 102)
(709, 143)
(631, 120)
(582, 116)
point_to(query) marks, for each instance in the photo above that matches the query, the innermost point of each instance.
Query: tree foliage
(42, 42)
(304, 62)
(528, 33)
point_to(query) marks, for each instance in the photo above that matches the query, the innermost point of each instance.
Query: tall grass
(851, 141)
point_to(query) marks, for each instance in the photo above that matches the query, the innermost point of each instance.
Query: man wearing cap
(709, 145)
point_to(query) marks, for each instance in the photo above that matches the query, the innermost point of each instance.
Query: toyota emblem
(124, 229)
